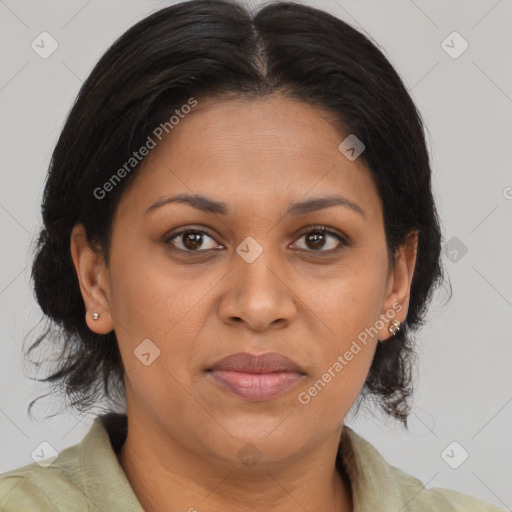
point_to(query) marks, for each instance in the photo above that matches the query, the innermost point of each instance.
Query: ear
(399, 285)
(93, 278)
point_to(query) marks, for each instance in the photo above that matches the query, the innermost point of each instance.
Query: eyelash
(311, 229)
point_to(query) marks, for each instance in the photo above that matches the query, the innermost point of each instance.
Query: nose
(258, 294)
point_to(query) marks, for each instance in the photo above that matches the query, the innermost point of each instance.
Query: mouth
(256, 377)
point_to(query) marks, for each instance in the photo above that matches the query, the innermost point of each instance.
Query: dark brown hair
(198, 49)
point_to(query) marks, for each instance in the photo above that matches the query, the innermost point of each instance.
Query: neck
(165, 476)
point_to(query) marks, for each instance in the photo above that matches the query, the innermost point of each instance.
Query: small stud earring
(394, 327)
(95, 316)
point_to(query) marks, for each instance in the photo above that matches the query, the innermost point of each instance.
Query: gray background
(464, 390)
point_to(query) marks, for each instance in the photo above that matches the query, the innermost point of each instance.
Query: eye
(191, 240)
(317, 239)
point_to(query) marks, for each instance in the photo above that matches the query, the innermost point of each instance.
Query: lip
(256, 377)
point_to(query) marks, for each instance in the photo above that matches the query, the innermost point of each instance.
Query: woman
(239, 240)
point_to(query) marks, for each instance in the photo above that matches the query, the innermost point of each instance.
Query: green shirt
(88, 476)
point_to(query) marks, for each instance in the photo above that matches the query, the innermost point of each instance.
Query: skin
(257, 156)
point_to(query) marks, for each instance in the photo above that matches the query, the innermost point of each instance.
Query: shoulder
(421, 499)
(377, 485)
(43, 489)
(86, 476)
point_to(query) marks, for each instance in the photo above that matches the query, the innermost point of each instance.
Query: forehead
(248, 151)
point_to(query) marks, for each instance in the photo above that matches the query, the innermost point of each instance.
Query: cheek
(349, 310)
(149, 297)
(333, 391)
(352, 299)
(342, 358)
(152, 301)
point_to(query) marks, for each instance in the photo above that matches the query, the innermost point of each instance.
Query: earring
(394, 327)
(95, 316)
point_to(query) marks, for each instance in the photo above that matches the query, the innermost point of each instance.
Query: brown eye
(316, 239)
(322, 239)
(191, 240)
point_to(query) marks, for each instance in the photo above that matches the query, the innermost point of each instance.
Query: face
(198, 285)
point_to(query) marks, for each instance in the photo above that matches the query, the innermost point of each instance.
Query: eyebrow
(208, 205)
